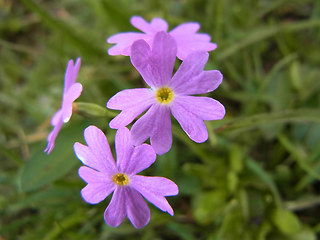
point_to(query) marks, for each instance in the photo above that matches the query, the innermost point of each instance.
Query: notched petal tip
(49, 148)
(91, 131)
(136, 19)
(70, 64)
(164, 37)
(78, 62)
(140, 45)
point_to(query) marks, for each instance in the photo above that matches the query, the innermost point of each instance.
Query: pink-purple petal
(204, 107)
(156, 199)
(52, 137)
(141, 24)
(75, 70)
(138, 211)
(68, 76)
(161, 138)
(205, 82)
(190, 68)
(185, 28)
(192, 124)
(99, 185)
(94, 193)
(98, 154)
(116, 210)
(189, 41)
(158, 24)
(158, 185)
(98, 143)
(70, 96)
(140, 59)
(186, 48)
(124, 118)
(156, 125)
(129, 98)
(71, 73)
(142, 129)
(163, 56)
(89, 158)
(90, 175)
(142, 157)
(57, 117)
(124, 149)
(132, 102)
(124, 42)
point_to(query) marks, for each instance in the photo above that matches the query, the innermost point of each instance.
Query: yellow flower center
(164, 95)
(120, 179)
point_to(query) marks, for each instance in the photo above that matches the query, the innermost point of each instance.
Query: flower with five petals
(167, 95)
(104, 176)
(185, 35)
(71, 92)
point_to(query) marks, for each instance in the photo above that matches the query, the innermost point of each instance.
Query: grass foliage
(256, 178)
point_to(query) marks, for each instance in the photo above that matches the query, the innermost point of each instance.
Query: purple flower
(167, 95)
(104, 176)
(71, 92)
(185, 35)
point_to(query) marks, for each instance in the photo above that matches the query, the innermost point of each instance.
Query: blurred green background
(257, 177)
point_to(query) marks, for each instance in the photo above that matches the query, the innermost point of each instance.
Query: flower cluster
(153, 53)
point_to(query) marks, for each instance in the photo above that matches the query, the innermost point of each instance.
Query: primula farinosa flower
(104, 176)
(185, 35)
(167, 95)
(71, 92)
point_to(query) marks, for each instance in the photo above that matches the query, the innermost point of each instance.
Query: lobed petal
(144, 187)
(130, 159)
(99, 185)
(185, 28)
(158, 24)
(189, 41)
(161, 138)
(98, 143)
(52, 136)
(137, 209)
(142, 129)
(142, 157)
(156, 124)
(116, 210)
(193, 125)
(90, 175)
(89, 158)
(68, 76)
(71, 74)
(205, 82)
(190, 68)
(123, 42)
(186, 48)
(124, 149)
(97, 154)
(124, 118)
(133, 102)
(71, 95)
(57, 117)
(140, 59)
(75, 70)
(155, 66)
(204, 107)
(141, 24)
(163, 56)
(94, 193)
(157, 185)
